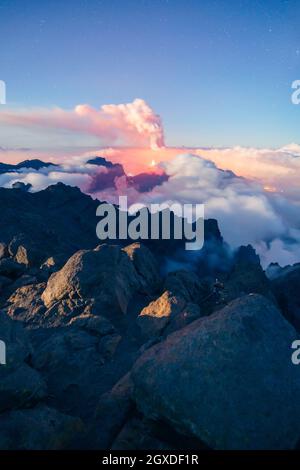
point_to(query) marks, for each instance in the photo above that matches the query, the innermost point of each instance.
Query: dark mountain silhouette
(101, 161)
(34, 164)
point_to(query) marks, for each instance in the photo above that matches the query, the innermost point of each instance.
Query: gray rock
(20, 385)
(246, 277)
(106, 275)
(18, 347)
(39, 428)
(226, 379)
(113, 410)
(75, 362)
(25, 304)
(186, 284)
(137, 435)
(146, 266)
(285, 284)
(53, 264)
(166, 314)
(25, 250)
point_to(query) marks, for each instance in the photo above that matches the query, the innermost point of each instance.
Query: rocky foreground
(106, 348)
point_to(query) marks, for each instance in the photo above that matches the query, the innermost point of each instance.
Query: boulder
(188, 314)
(76, 363)
(166, 314)
(137, 435)
(25, 250)
(226, 379)
(105, 275)
(25, 304)
(20, 385)
(113, 410)
(18, 347)
(39, 428)
(186, 284)
(146, 266)
(246, 277)
(53, 264)
(285, 283)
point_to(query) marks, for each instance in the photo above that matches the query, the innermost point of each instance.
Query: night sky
(218, 73)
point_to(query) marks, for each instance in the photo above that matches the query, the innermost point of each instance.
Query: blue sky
(217, 72)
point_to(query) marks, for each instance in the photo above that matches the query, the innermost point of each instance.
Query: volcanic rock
(105, 274)
(285, 284)
(20, 385)
(39, 428)
(146, 266)
(226, 379)
(168, 310)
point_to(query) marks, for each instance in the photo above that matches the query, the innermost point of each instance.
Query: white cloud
(245, 211)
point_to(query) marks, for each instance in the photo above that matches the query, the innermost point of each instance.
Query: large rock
(18, 347)
(186, 284)
(246, 276)
(25, 250)
(25, 304)
(146, 266)
(39, 428)
(226, 379)
(20, 385)
(165, 314)
(136, 435)
(75, 362)
(113, 410)
(105, 275)
(285, 283)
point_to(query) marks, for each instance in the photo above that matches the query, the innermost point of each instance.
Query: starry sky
(218, 73)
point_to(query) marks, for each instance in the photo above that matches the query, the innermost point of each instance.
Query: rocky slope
(107, 347)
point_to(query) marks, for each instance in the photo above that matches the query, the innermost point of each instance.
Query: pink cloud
(133, 124)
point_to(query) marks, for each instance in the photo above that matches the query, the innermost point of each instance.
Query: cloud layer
(254, 193)
(245, 211)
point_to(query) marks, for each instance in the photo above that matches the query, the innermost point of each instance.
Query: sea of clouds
(246, 211)
(253, 193)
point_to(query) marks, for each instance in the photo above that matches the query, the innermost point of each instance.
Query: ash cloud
(132, 123)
